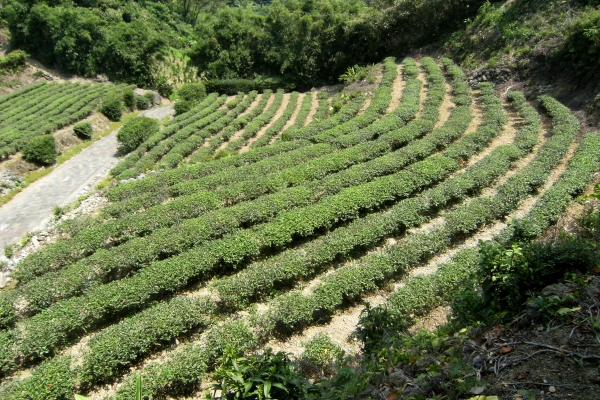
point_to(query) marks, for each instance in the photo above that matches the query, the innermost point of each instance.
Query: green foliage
(88, 41)
(182, 106)
(192, 92)
(129, 99)
(321, 352)
(83, 130)
(355, 73)
(163, 87)
(264, 376)
(112, 107)
(12, 61)
(135, 131)
(142, 102)
(234, 86)
(41, 149)
(509, 274)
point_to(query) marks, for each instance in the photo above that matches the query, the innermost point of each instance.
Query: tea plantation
(258, 215)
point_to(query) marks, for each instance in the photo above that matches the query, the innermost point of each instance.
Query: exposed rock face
(156, 100)
(8, 181)
(494, 75)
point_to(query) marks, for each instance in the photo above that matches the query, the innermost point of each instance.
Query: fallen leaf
(391, 396)
(597, 270)
(521, 376)
(477, 390)
(506, 349)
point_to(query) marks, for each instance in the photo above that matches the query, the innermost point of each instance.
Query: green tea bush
(129, 99)
(41, 149)
(182, 106)
(192, 92)
(112, 107)
(321, 352)
(83, 129)
(134, 132)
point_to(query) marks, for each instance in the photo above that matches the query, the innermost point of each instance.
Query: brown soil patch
(397, 89)
(424, 90)
(446, 107)
(340, 329)
(433, 320)
(313, 107)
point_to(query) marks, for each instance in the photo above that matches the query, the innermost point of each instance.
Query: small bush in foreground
(83, 129)
(265, 376)
(41, 149)
(112, 107)
(509, 274)
(134, 132)
(321, 353)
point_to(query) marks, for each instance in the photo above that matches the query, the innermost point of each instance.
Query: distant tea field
(43, 108)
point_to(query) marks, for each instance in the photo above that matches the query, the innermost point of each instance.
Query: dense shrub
(134, 132)
(12, 60)
(163, 87)
(83, 129)
(182, 106)
(270, 376)
(129, 99)
(233, 86)
(142, 102)
(510, 273)
(41, 149)
(192, 92)
(112, 107)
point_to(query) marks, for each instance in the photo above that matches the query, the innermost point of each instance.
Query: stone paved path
(33, 206)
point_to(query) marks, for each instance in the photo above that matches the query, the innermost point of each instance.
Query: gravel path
(33, 206)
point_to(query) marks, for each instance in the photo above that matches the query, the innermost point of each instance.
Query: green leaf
(267, 389)
(80, 397)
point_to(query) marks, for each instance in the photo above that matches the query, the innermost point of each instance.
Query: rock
(397, 379)
(558, 289)
(532, 309)
(4, 279)
(35, 242)
(479, 360)
(156, 100)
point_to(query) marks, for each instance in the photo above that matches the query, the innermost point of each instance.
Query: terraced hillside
(44, 108)
(380, 201)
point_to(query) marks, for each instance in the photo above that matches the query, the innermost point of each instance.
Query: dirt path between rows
(33, 207)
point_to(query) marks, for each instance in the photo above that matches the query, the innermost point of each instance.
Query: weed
(58, 211)
(265, 376)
